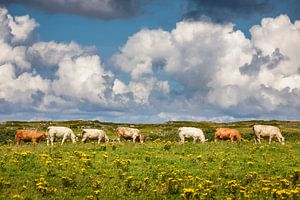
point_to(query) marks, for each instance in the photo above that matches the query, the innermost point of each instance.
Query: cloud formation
(200, 70)
(47, 76)
(211, 68)
(102, 9)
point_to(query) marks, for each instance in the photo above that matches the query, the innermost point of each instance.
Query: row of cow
(54, 132)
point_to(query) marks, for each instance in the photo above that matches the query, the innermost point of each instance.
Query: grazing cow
(33, 135)
(129, 133)
(59, 132)
(195, 133)
(94, 134)
(267, 131)
(227, 134)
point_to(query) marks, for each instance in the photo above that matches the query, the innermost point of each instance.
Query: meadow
(162, 168)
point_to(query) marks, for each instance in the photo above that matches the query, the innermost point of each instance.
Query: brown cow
(129, 133)
(32, 135)
(227, 134)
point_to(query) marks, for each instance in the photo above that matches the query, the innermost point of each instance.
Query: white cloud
(20, 89)
(47, 76)
(81, 78)
(197, 71)
(206, 59)
(49, 54)
(119, 87)
(21, 27)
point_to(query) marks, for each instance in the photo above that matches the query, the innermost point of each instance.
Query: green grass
(161, 168)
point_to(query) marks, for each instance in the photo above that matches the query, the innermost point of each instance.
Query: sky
(149, 61)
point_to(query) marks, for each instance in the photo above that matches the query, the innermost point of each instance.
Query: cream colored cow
(94, 134)
(267, 131)
(195, 133)
(59, 132)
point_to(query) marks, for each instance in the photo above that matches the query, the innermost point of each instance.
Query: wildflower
(207, 183)
(285, 182)
(295, 191)
(188, 193)
(199, 157)
(265, 188)
(242, 189)
(97, 192)
(104, 155)
(146, 180)
(48, 162)
(17, 196)
(250, 163)
(265, 181)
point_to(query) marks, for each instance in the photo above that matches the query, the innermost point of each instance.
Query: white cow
(129, 133)
(267, 131)
(195, 133)
(59, 132)
(94, 134)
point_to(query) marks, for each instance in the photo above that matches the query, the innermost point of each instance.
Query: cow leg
(63, 140)
(181, 138)
(83, 139)
(99, 140)
(256, 139)
(52, 140)
(18, 142)
(194, 139)
(133, 139)
(270, 139)
(48, 141)
(33, 141)
(216, 139)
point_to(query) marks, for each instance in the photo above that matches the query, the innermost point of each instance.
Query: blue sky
(149, 60)
(106, 35)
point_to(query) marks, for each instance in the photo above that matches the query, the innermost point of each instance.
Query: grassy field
(159, 169)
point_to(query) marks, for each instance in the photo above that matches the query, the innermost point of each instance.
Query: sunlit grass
(155, 170)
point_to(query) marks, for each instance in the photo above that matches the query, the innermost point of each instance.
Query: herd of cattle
(54, 132)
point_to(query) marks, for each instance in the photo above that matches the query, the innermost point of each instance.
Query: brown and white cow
(33, 135)
(129, 133)
(227, 134)
(267, 131)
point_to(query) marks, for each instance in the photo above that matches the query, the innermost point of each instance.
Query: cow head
(142, 138)
(282, 140)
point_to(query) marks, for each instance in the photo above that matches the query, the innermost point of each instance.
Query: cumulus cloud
(259, 60)
(218, 68)
(47, 76)
(200, 70)
(81, 78)
(102, 9)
